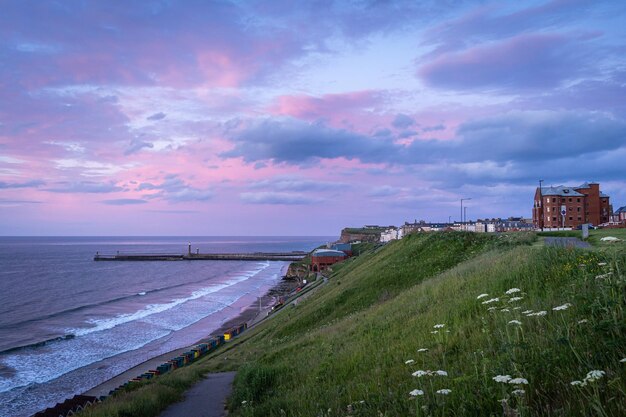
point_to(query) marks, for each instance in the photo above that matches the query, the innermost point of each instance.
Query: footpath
(208, 397)
(566, 242)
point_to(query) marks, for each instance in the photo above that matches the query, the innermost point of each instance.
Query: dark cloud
(136, 145)
(157, 116)
(293, 141)
(433, 128)
(402, 121)
(539, 136)
(175, 190)
(147, 186)
(85, 187)
(124, 202)
(382, 133)
(25, 184)
(407, 134)
(295, 183)
(493, 150)
(279, 198)
(6, 201)
(384, 191)
(494, 21)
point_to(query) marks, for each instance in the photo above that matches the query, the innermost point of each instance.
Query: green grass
(342, 351)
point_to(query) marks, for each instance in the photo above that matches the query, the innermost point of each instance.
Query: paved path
(566, 242)
(206, 399)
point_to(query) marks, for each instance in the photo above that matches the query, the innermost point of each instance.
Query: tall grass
(550, 316)
(356, 364)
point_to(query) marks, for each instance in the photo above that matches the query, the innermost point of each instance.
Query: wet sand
(250, 313)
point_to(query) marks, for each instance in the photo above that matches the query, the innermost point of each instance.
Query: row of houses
(478, 226)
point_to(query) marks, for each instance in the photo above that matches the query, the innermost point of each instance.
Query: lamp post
(449, 221)
(540, 208)
(462, 200)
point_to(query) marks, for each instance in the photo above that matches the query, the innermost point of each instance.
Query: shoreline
(250, 313)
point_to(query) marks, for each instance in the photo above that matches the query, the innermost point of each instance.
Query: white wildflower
(513, 291)
(420, 373)
(435, 331)
(582, 321)
(441, 373)
(244, 401)
(537, 314)
(506, 310)
(444, 391)
(517, 308)
(518, 392)
(491, 300)
(410, 361)
(513, 299)
(482, 296)
(527, 312)
(578, 383)
(492, 308)
(422, 350)
(603, 276)
(415, 393)
(562, 307)
(623, 360)
(518, 381)
(519, 323)
(439, 326)
(594, 375)
(502, 378)
(601, 263)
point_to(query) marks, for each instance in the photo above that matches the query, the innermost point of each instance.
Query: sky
(301, 117)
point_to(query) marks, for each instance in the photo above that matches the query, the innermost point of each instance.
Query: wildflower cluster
(420, 373)
(592, 376)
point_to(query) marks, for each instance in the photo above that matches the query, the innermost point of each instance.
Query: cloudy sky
(301, 117)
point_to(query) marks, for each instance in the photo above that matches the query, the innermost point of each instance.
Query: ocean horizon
(68, 323)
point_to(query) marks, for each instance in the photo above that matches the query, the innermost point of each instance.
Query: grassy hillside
(410, 319)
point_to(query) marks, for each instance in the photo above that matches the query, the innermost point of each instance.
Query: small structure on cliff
(323, 258)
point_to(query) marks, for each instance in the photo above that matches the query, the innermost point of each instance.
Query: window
(578, 200)
(569, 199)
(554, 199)
(580, 218)
(578, 209)
(553, 219)
(571, 218)
(570, 208)
(548, 209)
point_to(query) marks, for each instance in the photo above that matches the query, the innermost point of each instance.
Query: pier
(256, 256)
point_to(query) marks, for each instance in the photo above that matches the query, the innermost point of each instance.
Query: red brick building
(322, 258)
(563, 206)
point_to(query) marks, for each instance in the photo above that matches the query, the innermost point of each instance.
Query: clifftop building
(564, 206)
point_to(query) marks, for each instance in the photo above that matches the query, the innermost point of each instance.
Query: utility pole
(462, 200)
(540, 208)
(465, 216)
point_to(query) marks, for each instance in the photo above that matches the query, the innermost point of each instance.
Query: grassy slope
(349, 342)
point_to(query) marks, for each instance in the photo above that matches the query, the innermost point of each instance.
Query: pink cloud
(524, 61)
(326, 106)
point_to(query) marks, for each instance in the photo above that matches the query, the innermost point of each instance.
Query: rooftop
(561, 190)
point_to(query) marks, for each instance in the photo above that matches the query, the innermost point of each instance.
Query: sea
(68, 323)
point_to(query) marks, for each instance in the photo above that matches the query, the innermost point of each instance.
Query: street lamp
(462, 200)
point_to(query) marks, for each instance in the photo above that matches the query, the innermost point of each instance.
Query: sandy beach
(251, 313)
